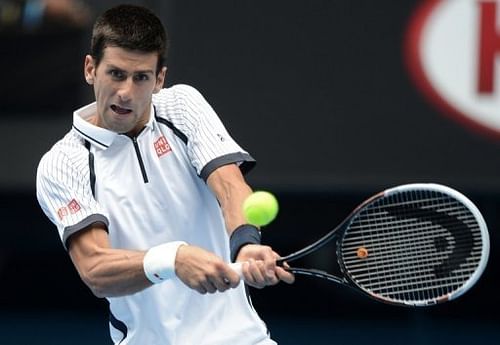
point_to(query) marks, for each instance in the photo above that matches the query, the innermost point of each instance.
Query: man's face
(124, 82)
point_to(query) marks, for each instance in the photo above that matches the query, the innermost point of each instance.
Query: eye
(141, 77)
(116, 74)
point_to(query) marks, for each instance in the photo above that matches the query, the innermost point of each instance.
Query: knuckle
(210, 272)
(271, 281)
(219, 267)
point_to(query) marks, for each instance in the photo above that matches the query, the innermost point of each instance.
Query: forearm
(113, 272)
(117, 273)
(259, 262)
(231, 191)
(108, 272)
(232, 210)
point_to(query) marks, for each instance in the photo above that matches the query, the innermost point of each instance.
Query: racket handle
(238, 268)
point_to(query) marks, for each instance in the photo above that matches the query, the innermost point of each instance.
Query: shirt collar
(101, 137)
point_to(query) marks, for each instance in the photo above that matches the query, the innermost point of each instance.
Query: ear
(160, 80)
(89, 69)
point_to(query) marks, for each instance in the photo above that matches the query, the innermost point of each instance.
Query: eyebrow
(147, 71)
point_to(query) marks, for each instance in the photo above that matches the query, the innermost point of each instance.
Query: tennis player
(146, 192)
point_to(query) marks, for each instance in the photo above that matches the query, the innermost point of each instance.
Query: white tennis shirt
(150, 190)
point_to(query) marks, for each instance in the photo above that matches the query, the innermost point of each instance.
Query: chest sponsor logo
(162, 147)
(453, 54)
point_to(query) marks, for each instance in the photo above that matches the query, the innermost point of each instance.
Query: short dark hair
(130, 27)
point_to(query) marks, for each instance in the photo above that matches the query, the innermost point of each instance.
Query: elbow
(95, 284)
(99, 292)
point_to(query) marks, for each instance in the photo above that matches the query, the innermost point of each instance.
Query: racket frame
(339, 232)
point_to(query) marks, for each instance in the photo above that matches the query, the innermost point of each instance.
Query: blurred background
(336, 99)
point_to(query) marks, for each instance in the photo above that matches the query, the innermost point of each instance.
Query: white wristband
(159, 261)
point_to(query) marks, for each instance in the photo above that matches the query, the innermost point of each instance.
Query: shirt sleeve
(64, 193)
(209, 143)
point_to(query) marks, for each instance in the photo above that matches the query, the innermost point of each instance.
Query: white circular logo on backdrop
(452, 51)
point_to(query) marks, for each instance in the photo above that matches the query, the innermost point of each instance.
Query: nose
(125, 90)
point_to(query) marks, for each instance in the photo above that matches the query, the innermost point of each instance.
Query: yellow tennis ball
(260, 208)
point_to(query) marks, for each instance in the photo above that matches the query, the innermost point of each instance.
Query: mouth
(119, 110)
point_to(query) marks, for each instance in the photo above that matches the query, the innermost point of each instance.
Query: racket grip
(238, 268)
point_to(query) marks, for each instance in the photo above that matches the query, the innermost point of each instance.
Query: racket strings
(401, 258)
(398, 271)
(420, 245)
(366, 221)
(406, 250)
(409, 237)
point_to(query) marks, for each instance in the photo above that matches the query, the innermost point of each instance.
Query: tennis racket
(413, 245)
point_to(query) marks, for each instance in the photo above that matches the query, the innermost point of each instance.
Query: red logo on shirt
(72, 207)
(62, 212)
(162, 146)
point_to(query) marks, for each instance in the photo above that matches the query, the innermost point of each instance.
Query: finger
(223, 277)
(200, 289)
(226, 282)
(269, 258)
(252, 274)
(268, 268)
(221, 283)
(231, 275)
(209, 286)
(245, 270)
(268, 272)
(284, 275)
(259, 272)
(272, 276)
(197, 286)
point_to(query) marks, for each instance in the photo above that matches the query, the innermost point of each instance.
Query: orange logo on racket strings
(362, 253)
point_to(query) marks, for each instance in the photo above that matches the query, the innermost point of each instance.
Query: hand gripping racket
(414, 245)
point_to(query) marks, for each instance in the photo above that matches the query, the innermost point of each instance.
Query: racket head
(415, 245)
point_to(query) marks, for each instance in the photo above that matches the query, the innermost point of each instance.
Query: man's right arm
(107, 272)
(110, 272)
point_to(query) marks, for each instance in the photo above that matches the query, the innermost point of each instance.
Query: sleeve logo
(62, 212)
(72, 208)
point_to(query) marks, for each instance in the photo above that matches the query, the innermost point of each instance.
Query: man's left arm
(259, 261)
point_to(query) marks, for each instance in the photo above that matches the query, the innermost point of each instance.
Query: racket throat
(317, 274)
